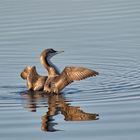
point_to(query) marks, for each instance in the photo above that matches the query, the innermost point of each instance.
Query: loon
(57, 81)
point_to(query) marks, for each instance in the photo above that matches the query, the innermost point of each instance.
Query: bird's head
(50, 52)
(27, 70)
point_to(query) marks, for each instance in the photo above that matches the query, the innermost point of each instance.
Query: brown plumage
(34, 80)
(56, 81)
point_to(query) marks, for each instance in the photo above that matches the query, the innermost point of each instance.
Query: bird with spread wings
(57, 81)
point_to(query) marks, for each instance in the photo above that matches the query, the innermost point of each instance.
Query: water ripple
(101, 35)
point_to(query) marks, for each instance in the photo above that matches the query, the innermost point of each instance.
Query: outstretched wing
(71, 74)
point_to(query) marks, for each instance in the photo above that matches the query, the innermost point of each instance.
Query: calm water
(101, 35)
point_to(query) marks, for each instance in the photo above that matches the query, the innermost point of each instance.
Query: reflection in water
(56, 105)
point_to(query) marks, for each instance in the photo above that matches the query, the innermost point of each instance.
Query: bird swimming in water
(35, 81)
(57, 81)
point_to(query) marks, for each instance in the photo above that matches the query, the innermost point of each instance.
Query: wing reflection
(56, 104)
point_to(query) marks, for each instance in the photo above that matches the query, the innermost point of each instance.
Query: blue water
(101, 35)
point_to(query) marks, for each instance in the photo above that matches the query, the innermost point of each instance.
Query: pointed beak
(57, 52)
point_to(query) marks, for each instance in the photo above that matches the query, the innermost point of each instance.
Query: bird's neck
(34, 75)
(32, 78)
(52, 70)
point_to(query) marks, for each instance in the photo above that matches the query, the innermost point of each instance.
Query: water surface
(101, 35)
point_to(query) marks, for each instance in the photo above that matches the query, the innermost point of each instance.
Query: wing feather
(71, 74)
(79, 73)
